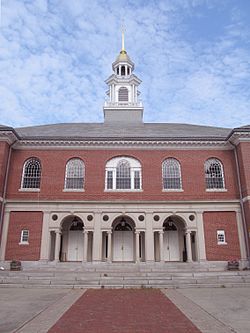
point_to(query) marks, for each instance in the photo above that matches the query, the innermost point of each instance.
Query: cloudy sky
(193, 57)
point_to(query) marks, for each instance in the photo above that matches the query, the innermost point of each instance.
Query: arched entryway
(123, 239)
(173, 240)
(72, 239)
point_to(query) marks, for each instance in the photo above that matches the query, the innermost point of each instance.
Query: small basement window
(221, 239)
(24, 237)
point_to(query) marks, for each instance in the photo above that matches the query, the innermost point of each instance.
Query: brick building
(124, 190)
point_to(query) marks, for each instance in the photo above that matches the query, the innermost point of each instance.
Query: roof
(101, 131)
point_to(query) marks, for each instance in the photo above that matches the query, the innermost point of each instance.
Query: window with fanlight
(123, 174)
(31, 177)
(74, 175)
(171, 174)
(214, 174)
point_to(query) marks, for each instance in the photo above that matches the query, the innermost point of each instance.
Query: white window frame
(177, 189)
(220, 233)
(69, 189)
(22, 241)
(25, 165)
(135, 166)
(207, 164)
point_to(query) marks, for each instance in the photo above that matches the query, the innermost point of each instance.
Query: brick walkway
(123, 311)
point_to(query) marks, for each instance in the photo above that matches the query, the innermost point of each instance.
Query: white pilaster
(161, 232)
(243, 251)
(85, 246)
(57, 244)
(137, 246)
(201, 246)
(149, 238)
(4, 235)
(109, 232)
(188, 245)
(45, 242)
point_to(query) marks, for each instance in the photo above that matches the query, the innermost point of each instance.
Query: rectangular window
(24, 237)
(109, 180)
(221, 239)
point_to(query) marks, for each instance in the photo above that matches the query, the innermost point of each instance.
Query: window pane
(137, 180)
(74, 174)
(171, 174)
(214, 174)
(32, 174)
(123, 179)
(109, 180)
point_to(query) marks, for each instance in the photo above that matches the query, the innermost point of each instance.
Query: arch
(123, 94)
(124, 221)
(171, 174)
(214, 175)
(74, 174)
(68, 220)
(31, 177)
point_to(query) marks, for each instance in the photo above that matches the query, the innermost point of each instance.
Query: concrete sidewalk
(212, 310)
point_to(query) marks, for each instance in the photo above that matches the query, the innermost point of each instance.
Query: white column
(110, 94)
(149, 239)
(188, 245)
(113, 94)
(135, 94)
(4, 235)
(243, 251)
(109, 232)
(137, 246)
(57, 244)
(97, 238)
(85, 246)
(120, 69)
(126, 70)
(45, 242)
(161, 245)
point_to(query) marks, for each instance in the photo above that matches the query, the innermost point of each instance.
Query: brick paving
(123, 311)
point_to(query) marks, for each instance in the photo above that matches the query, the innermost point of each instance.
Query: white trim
(122, 144)
(246, 198)
(29, 190)
(123, 190)
(73, 190)
(173, 190)
(216, 190)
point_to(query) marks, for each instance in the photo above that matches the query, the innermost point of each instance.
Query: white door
(123, 246)
(75, 245)
(171, 246)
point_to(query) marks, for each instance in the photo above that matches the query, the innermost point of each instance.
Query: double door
(123, 246)
(75, 245)
(171, 245)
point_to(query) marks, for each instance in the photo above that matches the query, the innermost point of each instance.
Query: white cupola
(123, 104)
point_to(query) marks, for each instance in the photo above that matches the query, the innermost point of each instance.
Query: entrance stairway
(124, 275)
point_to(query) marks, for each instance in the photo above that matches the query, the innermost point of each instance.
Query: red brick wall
(53, 171)
(214, 221)
(247, 215)
(243, 150)
(4, 150)
(19, 221)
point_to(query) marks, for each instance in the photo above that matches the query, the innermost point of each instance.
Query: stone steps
(123, 279)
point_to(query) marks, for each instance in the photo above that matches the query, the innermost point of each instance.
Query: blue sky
(193, 57)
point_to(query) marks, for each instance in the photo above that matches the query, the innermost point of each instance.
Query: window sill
(29, 190)
(73, 190)
(173, 190)
(23, 243)
(216, 190)
(127, 190)
(225, 243)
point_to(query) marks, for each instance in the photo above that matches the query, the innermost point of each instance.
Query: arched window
(214, 174)
(74, 176)
(123, 94)
(171, 174)
(123, 173)
(31, 174)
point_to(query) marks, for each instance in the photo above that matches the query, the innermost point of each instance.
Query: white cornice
(8, 136)
(238, 137)
(122, 144)
(245, 199)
